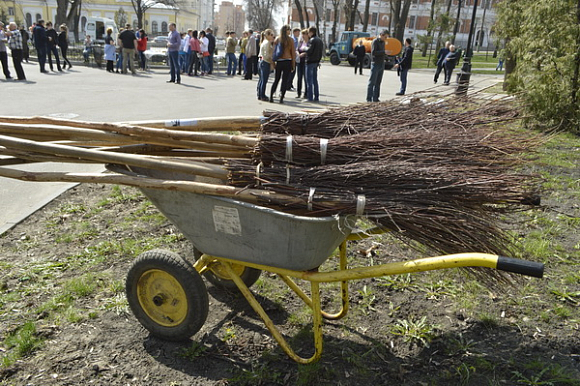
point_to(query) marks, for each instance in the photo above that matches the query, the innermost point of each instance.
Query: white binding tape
(310, 197)
(181, 123)
(289, 148)
(360, 204)
(323, 149)
(288, 174)
(258, 171)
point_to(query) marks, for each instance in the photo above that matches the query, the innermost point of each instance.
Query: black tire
(367, 61)
(220, 279)
(167, 295)
(351, 61)
(334, 59)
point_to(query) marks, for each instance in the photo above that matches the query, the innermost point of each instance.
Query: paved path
(93, 94)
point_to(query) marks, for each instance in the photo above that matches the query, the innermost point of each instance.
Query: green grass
(23, 341)
(415, 330)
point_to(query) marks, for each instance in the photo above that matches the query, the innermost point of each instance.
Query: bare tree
(260, 13)
(400, 11)
(366, 15)
(336, 9)
(300, 16)
(68, 12)
(142, 6)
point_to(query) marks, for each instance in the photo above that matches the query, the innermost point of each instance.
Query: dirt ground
(439, 328)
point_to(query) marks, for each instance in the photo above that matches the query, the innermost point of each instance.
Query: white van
(97, 27)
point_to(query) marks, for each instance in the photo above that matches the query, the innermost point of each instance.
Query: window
(83, 23)
(11, 11)
(28, 19)
(164, 26)
(39, 16)
(154, 28)
(135, 24)
(328, 15)
(374, 18)
(412, 20)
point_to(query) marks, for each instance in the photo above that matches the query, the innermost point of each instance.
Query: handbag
(205, 53)
(277, 52)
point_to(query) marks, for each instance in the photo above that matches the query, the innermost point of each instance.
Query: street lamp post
(465, 73)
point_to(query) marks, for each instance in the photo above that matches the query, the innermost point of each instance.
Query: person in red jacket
(142, 47)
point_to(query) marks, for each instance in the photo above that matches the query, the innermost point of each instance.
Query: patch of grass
(192, 352)
(488, 320)
(538, 372)
(260, 373)
(415, 330)
(367, 299)
(397, 282)
(82, 286)
(20, 343)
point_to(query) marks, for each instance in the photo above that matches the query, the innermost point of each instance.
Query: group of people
(378, 56)
(46, 41)
(122, 49)
(292, 52)
(446, 60)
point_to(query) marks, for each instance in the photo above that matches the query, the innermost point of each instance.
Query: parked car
(160, 41)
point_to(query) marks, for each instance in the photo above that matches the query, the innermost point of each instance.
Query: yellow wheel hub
(162, 298)
(220, 271)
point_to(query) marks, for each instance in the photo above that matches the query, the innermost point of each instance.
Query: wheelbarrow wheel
(218, 276)
(167, 295)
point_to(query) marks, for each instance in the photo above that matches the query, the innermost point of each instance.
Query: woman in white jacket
(203, 43)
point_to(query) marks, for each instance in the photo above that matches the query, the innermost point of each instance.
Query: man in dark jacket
(40, 42)
(377, 67)
(450, 62)
(313, 57)
(210, 48)
(52, 37)
(441, 61)
(405, 65)
(359, 53)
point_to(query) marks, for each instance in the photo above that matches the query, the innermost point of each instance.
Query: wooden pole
(191, 167)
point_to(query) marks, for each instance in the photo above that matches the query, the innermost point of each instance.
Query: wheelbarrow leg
(316, 318)
(343, 289)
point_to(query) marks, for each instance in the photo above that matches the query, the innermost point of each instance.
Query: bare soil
(471, 335)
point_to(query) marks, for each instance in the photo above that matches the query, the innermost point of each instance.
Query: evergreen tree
(542, 46)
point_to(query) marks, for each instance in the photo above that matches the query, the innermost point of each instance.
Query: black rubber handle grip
(524, 267)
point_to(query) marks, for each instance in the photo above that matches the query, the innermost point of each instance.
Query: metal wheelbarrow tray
(236, 241)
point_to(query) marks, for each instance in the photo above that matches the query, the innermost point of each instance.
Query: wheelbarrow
(234, 241)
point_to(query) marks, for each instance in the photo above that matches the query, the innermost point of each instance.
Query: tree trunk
(353, 15)
(347, 14)
(456, 28)
(299, 10)
(400, 14)
(510, 62)
(336, 6)
(575, 79)
(366, 15)
(317, 12)
(429, 28)
(61, 10)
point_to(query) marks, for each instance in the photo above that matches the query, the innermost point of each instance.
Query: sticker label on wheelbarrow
(227, 220)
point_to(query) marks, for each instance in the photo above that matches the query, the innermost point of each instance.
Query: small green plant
(538, 373)
(415, 331)
(229, 333)
(192, 352)
(464, 372)
(488, 320)
(367, 299)
(21, 342)
(397, 282)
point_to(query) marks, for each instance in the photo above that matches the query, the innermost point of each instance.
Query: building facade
(381, 17)
(190, 14)
(230, 17)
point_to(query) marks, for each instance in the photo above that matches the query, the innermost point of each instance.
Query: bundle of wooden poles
(439, 173)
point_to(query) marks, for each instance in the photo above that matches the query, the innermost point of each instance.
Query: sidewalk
(92, 94)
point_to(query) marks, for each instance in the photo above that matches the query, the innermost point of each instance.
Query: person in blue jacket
(440, 61)
(41, 44)
(405, 65)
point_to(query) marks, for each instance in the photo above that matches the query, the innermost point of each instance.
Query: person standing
(450, 62)
(210, 48)
(377, 67)
(231, 44)
(295, 38)
(194, 52)
(128, 41)
(16, 46)
(40, 42)
(301, 63)
(405, 65)
(25, 38)
(3, 52)
(266, 52)
(313, 57)
(285, 62)
(203, 44)
(251, 55)
(359, 53)
(242, 57)
(441, 61)
(52, 37)
(63, 44)
(141, 48)
(110, 50)
(173, 45)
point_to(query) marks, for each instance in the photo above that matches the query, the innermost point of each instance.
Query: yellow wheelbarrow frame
(345, 274)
